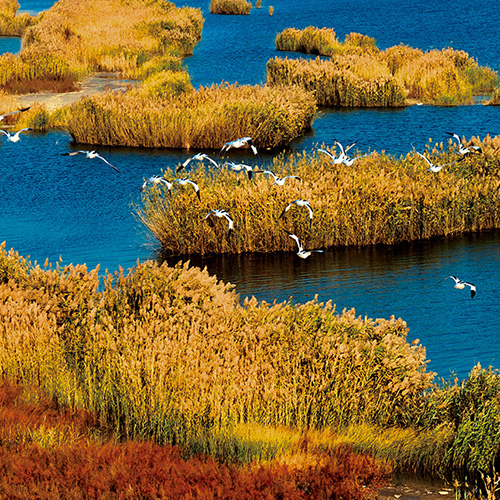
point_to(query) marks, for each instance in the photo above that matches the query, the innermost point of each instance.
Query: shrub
(166, 84)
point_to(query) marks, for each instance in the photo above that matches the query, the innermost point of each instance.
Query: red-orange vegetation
(84, 468)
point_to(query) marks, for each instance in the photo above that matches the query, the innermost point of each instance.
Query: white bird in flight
(157, 179)
(239, 167)
(197, 157)
(14, 137)
(461, 285)
(239, 143)
(185, 182)
(432, 166)
(303, 254)
(461, 148)
(220, 214)
(14, 112)
(299, 203)
(91, 155)
(279, 181)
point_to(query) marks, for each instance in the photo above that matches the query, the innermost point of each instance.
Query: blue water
(81, 211)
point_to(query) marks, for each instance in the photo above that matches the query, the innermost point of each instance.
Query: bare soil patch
(100, 82)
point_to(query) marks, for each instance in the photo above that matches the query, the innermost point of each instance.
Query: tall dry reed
(206, 118)
(445, 77)
(378, 200)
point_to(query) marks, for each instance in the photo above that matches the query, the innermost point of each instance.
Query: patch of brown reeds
(169, 353)
(378, 200)
(445, 77)
(239, 7)
(51, 451)
(203, 119)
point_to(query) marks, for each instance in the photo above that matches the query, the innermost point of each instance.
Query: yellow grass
(445, 77)
(122, 37)
(230, 7)
(204, 119)
(378, 200)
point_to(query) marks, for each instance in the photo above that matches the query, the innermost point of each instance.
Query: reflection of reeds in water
(358, 68)
(378, 200)
(206, 118)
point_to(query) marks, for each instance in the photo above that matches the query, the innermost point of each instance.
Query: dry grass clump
(205, 118)
(64, 45)
(321, 41)
(12, 24)
(335, 84)
(379, 200)
(169, 354)
(241, 7)
(446, 77)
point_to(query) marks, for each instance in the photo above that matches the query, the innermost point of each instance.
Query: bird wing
(13, 112)
(296, 239)
(211, 160)
(455, 136)
(106, 161)
(426, 159)
(350, 146)
(327, 153)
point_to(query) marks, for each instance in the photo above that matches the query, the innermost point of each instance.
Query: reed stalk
(203, 119)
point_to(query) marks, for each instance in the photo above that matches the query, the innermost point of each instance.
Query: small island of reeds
(134, 38)
(359, 74)
(239, 7)
(378, 200)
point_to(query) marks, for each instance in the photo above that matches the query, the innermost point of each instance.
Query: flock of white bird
(342, 158)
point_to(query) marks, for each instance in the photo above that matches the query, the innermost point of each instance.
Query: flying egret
(197, 157)
(220, 214)
(91, 155)
(239, 143)
(239, 167)
(461, 148)
(299, 203)
(279, 181)
(432, 166)
(14, 137)
(303, 254)
(461, 285)
(185, 182)
(157, 179)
